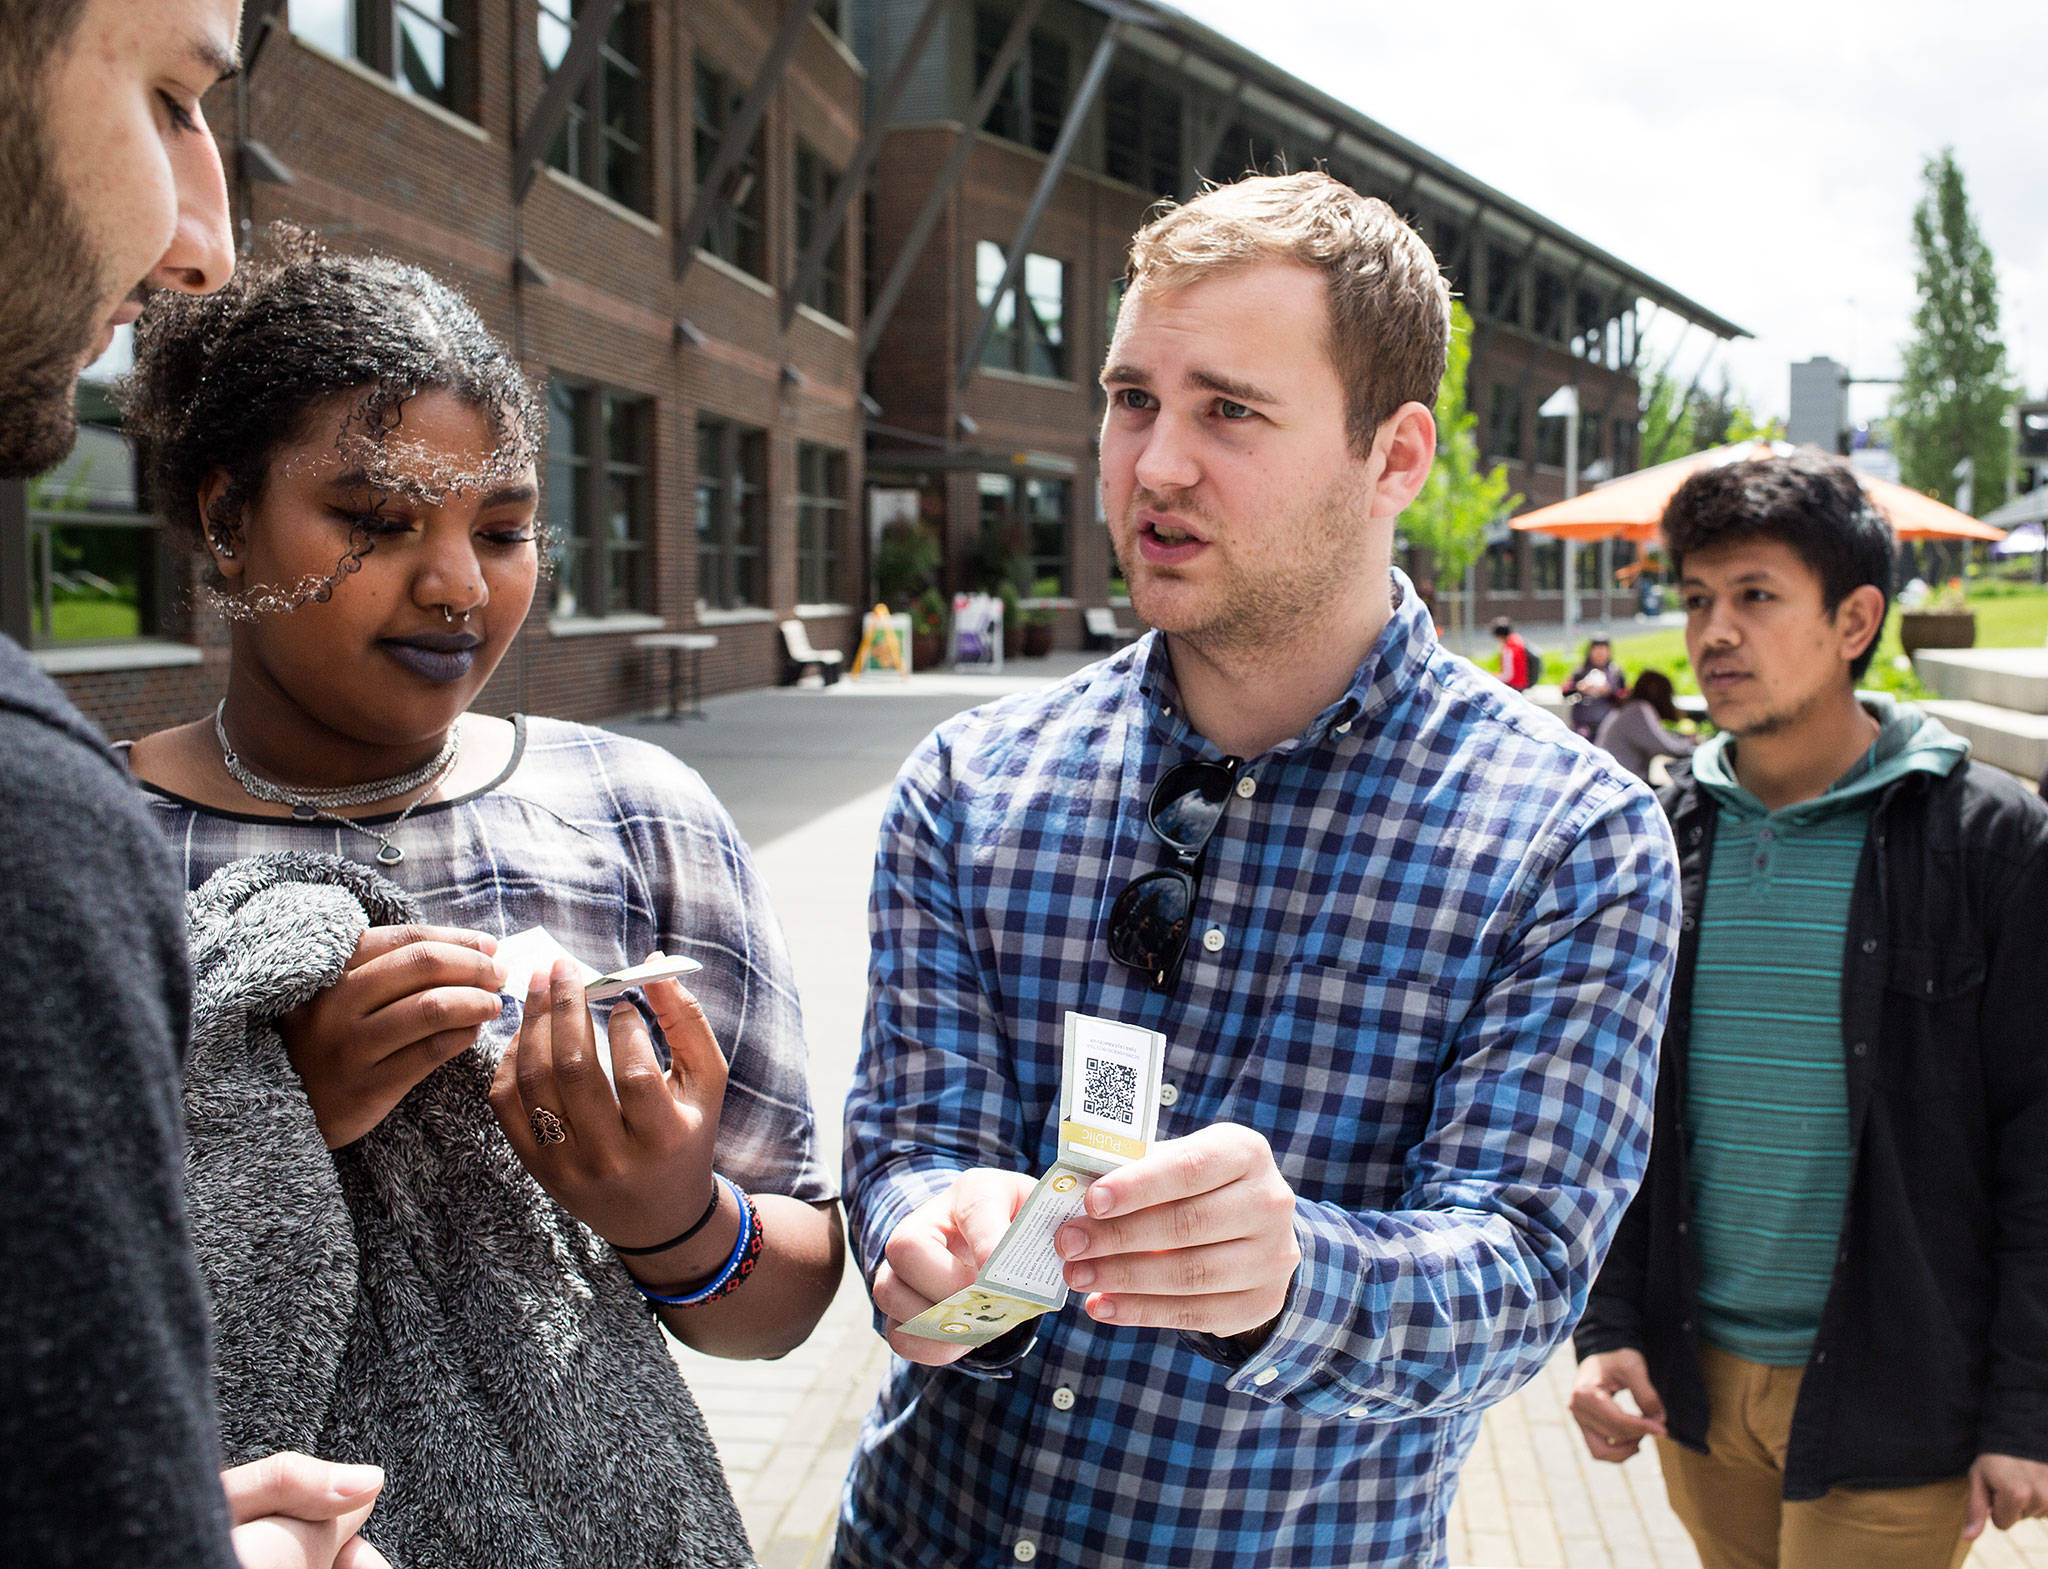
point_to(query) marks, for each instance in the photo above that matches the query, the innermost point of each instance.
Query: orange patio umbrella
(1630, 507)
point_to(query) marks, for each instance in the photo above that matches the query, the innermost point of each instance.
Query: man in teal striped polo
(1829, 1302)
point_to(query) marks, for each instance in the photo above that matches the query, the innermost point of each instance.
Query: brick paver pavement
(1530, 1494)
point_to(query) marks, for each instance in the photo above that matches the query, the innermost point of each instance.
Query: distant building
(1819, 413)
(745, 373)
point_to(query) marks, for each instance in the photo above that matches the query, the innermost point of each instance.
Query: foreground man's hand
(939, 1248)
(2005, 1490)
(1198, 1235)
(1611, 1431)
(290, 1511)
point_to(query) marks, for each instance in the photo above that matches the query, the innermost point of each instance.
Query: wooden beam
(538, 134)
(812, 264)
(1055, 167)
(891, 292)
(739, 136)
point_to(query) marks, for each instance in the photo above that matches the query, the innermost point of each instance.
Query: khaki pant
(1732, 1498)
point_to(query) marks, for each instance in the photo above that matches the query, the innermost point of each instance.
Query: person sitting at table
(1637, 731)
(1595, 689)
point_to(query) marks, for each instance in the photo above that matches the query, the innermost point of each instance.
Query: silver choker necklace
(317, 805)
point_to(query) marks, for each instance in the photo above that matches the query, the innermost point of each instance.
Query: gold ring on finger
(547, 1127)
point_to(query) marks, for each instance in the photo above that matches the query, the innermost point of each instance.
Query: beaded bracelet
(746, 1253)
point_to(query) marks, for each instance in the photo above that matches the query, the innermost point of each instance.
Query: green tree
(1459, 500)
(1953, 397)
(1677, 421)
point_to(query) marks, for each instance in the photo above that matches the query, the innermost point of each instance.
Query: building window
(1033, 102)
(603, 142)
(738, 228)
(1141, 133)
(815, 180)
(95, 548)
(1049, 64)
(1006, 114)
(1587, 571)
(425, 46)
(1034, 341)
(1040, 513)
(820, 524)
(1624, 449)
(732, 514)
(1589, 444)
(1550, 430)
(599, 501)
(1546, 565)
(1504, 423)
(1503, 284)
(1549, 300)
(1504, 568)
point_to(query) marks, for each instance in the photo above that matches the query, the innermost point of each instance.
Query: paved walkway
(805, 774)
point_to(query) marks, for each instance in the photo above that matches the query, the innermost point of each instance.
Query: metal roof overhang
(1184, 44)
(969, 460)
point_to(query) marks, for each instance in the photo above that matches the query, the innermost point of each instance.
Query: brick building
(749, 367)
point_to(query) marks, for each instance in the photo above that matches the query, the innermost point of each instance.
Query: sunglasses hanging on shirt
(1151, 918)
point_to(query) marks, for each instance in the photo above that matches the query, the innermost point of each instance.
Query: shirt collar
(1390, 668)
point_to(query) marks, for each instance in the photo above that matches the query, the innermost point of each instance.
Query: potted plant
(907, 560)
(1037, 633)
(928, 631)
(1943, 622)
(1013, 620)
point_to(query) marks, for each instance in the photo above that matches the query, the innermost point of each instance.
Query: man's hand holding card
(1196, 1233)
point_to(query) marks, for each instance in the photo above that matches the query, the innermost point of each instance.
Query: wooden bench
(801, 658)
(1103, 631)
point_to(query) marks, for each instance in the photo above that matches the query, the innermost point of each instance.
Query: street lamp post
(1565, 403)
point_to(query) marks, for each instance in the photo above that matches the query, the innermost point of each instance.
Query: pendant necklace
(318, 805)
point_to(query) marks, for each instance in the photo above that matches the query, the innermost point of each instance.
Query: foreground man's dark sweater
(109, 1455)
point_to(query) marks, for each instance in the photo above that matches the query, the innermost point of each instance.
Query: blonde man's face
(1236, 504)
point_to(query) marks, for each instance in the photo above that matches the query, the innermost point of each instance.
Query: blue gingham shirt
(617, 848)
(1430, 963)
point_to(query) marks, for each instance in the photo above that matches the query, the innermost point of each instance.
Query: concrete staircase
(1996, 699)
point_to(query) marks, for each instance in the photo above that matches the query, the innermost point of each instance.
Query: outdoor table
(678, 644)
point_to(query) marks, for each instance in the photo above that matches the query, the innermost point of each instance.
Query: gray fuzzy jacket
(415, 1300)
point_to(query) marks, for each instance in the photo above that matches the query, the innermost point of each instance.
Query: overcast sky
(1764, 162)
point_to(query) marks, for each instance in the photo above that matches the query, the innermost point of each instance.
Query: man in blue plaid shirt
(1407, 939)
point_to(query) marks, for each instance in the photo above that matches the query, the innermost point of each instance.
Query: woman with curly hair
(493, 1191)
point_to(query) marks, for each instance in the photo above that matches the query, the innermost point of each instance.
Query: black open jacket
(1933, 1345)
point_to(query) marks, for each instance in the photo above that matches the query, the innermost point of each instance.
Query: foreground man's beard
(50, 305)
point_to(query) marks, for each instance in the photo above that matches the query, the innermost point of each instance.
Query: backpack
(1535, 667)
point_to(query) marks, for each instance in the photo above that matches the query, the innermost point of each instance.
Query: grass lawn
(82, 620)
(2008, 616)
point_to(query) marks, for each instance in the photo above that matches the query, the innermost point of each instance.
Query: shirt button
(1063, 1399)
(1861, 1048)
(1168, 1094)
(1265, 1376)
(1688, 923)
(1344, 728)
(1212, 939)
(1763, 863)
(1356, 1411)
(1247, 786)
(1684, 1227)
(1870, 945)
(1025, 1550)
(1819, 1357)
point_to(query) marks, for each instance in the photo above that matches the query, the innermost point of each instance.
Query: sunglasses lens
(1148, 924)
(1188, 802)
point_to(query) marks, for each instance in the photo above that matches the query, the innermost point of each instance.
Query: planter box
(1920, 629)
(1037, 640)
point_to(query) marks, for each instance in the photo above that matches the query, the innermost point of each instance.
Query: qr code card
(1110, 1092)
(1024, 1262)
(973, 1317)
